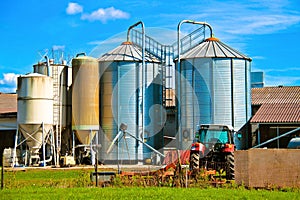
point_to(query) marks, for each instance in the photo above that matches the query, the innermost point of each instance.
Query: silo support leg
(15, 148)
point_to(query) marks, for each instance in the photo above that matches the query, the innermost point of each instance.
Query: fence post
(2, 171)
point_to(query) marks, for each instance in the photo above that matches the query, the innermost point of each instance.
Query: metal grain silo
(61, 116)
(85, 98)
(122, 98)
(214, 88)
(35, 110)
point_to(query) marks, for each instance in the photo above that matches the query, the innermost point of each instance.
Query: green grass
(143, 193)
(75, 184)
(47, 178)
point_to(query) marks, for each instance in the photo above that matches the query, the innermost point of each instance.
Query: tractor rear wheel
(230, 166)
(194, 161)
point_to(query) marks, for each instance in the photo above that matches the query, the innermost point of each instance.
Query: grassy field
(144, 193)
(76, 184)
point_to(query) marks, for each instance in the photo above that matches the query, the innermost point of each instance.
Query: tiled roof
(277, 113)
(276, 95)
(277, 104)
(8, 103)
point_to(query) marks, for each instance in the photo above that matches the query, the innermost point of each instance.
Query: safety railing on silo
(190, 41)
(151, 46)
(166, 54)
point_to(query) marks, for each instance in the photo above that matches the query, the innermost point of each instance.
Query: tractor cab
(216, 136)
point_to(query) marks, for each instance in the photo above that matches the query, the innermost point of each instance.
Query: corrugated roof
(277, 113)
(279, 94)
(8, 103)
(127, 52)
(277, 104)
(213, 48)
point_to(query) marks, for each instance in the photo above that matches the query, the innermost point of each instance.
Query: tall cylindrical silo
(59, 73)
(215, 88)
(35, 110)
(122, 99)
(85, 98)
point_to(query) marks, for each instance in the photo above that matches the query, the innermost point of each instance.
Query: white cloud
(104, 14)
(233, 18)
(281, 76)
(283, 70)
(58, 47)
(281, 80)
(262, 24)
(9, 82)
(74, 8)
(258, 57)
(9, 78)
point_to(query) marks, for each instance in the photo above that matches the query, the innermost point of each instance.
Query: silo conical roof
(213, 48)
(127, 51)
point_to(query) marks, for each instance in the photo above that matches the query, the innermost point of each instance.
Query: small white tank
(35, 106)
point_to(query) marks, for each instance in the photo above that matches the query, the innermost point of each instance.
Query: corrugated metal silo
(215, 88)
(121, 102)
(85, 98)
(35, 107)
(60, 90)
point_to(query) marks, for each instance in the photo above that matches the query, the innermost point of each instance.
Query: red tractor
(213, 149)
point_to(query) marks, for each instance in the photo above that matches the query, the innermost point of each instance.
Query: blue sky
(267, 31)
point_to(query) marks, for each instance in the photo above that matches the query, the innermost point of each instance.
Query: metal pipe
(179, 68)
(199, 23)
(81, 54)
(52, 150)
(48, 64)
(118, 156)
(15, 148)
(143, 69)
(113, 142)
(91, 148)
(277, 131)
(43, 143)
(96, 170)
(258, 135)
(147, 145)
(60, 110)
(73, 144)
(271, 140)
(45, 161)
(132, 26)
(2, 171)
(232, 94)
(56, 159)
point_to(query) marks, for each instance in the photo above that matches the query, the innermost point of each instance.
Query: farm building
(275, 110)
(8, 120)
